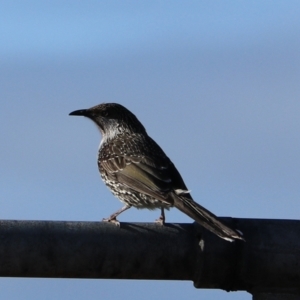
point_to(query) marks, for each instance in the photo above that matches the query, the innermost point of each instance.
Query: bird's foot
(160, 221)
(111, 220)
(113, 217)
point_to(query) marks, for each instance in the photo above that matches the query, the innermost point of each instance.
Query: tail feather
(205, 218)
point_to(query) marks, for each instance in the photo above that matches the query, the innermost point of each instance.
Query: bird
(138, 172)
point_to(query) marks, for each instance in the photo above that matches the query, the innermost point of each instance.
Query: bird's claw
(160, 221)
(111, 220)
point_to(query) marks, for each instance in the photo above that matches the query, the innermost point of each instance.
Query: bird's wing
(140, 172)
(139, 175)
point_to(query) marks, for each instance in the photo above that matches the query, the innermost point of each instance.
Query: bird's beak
(80, 112)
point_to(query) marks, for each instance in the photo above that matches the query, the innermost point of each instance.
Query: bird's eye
(105, 114)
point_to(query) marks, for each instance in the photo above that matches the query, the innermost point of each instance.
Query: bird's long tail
(205, 218)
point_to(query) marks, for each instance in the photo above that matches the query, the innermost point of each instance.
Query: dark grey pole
(266, 265)
(276, 295)
(97, 250)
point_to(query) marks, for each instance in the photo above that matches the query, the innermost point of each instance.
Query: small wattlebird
(139, 173)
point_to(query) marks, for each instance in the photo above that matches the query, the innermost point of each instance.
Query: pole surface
(96, 250)
(267, 263)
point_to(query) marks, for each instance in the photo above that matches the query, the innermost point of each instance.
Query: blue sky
(215, 83)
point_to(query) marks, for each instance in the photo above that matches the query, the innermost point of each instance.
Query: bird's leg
(113, 217)
(161, 219)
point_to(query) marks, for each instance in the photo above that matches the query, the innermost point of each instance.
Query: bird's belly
(134, 198)
(140, 201)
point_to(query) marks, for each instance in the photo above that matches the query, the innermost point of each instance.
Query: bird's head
(112, 119)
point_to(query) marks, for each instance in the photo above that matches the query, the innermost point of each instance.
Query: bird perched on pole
(139, 173)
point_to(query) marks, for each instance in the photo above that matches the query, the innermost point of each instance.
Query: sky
(215, 83)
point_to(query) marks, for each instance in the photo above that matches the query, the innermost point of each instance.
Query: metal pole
(266, 265)
(276, 295)
(97, 250)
